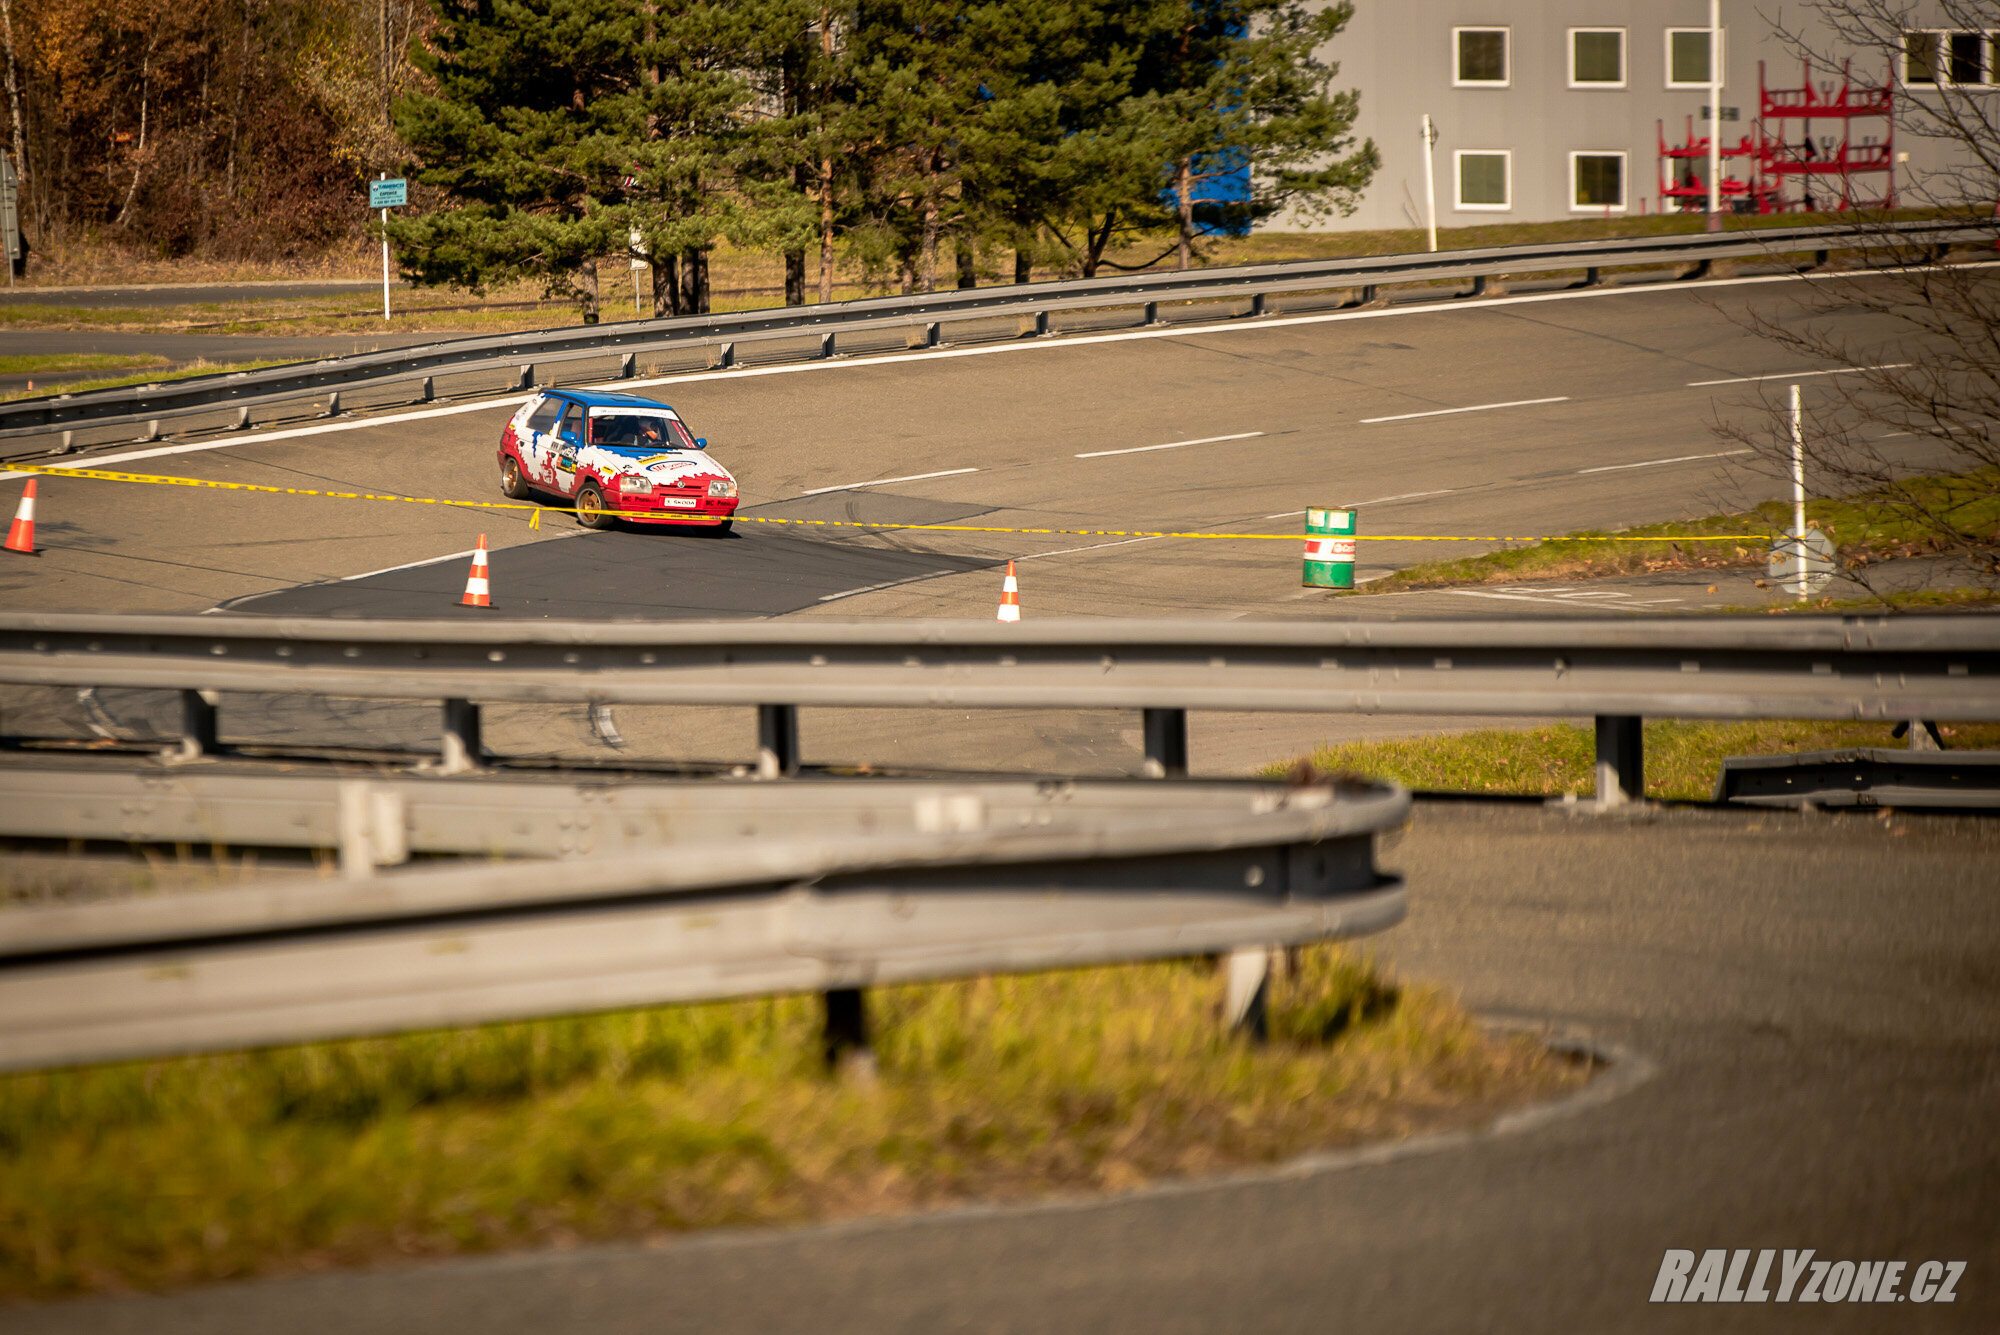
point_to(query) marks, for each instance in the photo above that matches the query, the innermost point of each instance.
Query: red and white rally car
(615, 456)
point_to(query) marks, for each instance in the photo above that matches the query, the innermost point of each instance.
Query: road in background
(1815, 991)
(1538, 417)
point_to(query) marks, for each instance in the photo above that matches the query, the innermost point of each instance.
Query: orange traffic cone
(476, 589)
(21, 535)
(1010, 596)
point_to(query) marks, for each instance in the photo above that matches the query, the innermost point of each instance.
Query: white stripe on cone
(1010, 596)
(476, 589)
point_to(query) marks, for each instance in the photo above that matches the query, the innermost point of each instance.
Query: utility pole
(1714, 115)
(1799, 492)
(1430, 134)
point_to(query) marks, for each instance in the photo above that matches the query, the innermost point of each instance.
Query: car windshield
(638, 428)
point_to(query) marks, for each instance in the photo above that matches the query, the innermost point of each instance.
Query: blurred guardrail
(1896, 667)
(925, 316)
(718, 891)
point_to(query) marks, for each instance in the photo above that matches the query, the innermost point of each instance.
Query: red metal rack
(1681, 188)
(1826, 167)
(1782, 149)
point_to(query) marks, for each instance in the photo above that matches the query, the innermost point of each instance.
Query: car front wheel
(591, 512)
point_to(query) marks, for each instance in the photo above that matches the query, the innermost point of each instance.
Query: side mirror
(569, 438)
(701, 442)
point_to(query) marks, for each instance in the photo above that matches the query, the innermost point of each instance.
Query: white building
(1554, 109)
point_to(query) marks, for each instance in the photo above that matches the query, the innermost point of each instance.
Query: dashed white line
(1171, 445)
(1093, 547)
(884, 481)
(1797, 375)
(1473, 408)
(1655, 463)
(1379, 500)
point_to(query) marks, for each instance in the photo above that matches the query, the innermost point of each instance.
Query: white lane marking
(892, 584)
(1512, 597)
(884, 481)
(326, 428)
(1797, 375)
(454, 556)
(1655, 463)
(1001, 349)
(1475, 408)
(1093, 547)
(1172, 445)
(1379, 500)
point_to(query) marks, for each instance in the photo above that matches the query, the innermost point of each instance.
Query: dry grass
(653, 1121)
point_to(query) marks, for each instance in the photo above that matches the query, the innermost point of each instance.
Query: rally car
(614, 456)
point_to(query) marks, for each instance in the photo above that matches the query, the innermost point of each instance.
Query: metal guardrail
(1901, 667)
(1032, 303)
(875, 882)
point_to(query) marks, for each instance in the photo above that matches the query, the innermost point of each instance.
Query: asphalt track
(1817, 998)
(1817, 994)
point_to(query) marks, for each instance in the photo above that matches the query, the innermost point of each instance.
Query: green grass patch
(1683, 757)
(145, 378)
(655, 1121)
(1867, 529)
(77, 361)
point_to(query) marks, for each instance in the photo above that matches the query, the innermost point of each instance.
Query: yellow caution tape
(538, 509)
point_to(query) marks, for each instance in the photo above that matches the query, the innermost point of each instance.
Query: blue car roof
(597, 398)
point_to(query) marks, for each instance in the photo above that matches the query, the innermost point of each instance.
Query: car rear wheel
(511, 482)
(591, 512)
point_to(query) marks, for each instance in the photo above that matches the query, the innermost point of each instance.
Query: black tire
(721, 530)
(591, 512)
(512, 484)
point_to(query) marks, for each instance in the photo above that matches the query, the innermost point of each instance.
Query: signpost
(386, 194)
(10, 214)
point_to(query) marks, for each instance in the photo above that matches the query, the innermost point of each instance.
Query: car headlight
(632, 485)
(722, 486)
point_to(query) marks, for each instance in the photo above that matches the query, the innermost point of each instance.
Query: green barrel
(1329, 549)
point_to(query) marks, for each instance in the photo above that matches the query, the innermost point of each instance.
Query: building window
(1961, 59)
(1597, 57)
(1597, 182)
(1483, 179)
(1479, 57)
(1687, 57)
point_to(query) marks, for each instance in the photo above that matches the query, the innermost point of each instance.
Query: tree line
(226, 128)
(912, 136)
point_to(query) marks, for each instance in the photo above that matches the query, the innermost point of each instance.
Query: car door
(565, 444)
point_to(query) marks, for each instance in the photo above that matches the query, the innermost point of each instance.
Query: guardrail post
(1699, 269)
(462, 750)
(1248, 974)
(725, 357)
(1152, 313)
(333, 404)
(845, 1033)
(777, 741)
(1257, 306)
(825, 346)
(526, 377)
(198, 728)
(1621, 759)
(1592, 277)
(628, 366)
(1166, 743)
(152, 431)
(374, 828)
(242, 420)
(1821, 259)
(1036, 326)
(69, 440)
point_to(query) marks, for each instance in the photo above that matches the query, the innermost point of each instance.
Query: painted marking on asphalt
(1797, 375)
(1475, 408)
(1655, 463)
(1172, 445)
(1094, 547)
(884, 481)
(1379, 500)
(993, 350)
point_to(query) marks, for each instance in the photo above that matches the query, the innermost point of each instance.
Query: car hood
(665, 466)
